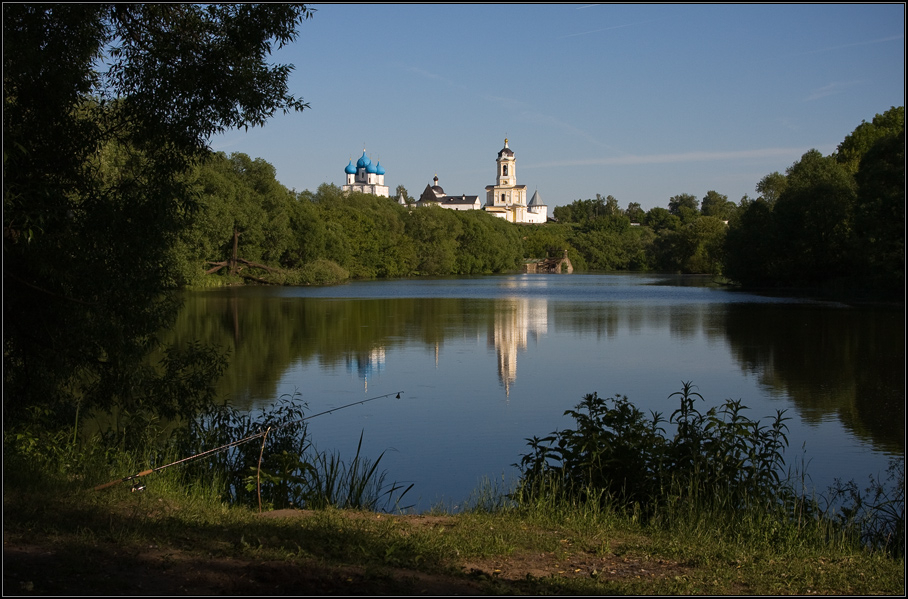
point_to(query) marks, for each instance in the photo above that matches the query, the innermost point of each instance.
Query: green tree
(819, 224)
(684, 206)
(542, 241)
(106, 109)
(401, 191)
(771, 187)
(309, 230)
(813, 219)
(487, 244)
(751, 244)
(635, 213)
(659, 218)
(244, 210)
(435, 232)
(856, 144)
(707, 237)
(879, 214)
(718, 205)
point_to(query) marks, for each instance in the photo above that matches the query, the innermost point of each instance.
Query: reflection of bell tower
(509, 335)
(515, 319)
(367, 365)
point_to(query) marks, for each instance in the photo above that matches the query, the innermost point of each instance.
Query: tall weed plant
(720, 455)
(717, 470)
(268, 461)
(876, 513)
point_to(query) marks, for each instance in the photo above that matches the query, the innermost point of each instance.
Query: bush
(619, 454)
(321, 272)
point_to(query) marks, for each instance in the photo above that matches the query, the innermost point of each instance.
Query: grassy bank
(62, 537)
(615, 506)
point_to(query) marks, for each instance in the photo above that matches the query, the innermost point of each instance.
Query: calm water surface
(484, 363)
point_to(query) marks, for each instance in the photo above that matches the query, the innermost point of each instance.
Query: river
(483, 363)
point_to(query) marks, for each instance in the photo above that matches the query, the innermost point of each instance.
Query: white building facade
(508, 200)
(366, 177)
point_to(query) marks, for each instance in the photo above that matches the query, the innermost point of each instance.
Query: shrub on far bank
(319, 272)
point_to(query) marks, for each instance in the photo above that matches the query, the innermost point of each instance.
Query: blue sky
(641, 102)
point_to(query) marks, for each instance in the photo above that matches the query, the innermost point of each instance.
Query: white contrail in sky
(836, 87)
(878, 41)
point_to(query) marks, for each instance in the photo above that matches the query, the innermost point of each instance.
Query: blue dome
(378, 169)
(363, 161)
(350, 170)
(371, 168)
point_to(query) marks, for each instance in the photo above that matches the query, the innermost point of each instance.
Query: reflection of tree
(849, 362)
(266, 334)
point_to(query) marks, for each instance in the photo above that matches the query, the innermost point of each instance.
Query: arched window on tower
(504, 170)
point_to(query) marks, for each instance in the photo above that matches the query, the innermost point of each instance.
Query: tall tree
(865, 135)
(634, 212)
(813, 219)
(106, 109)
(751, 249)
(879, 214)
(716, 204)
(659, 218)
(685, 206)
(771, 187)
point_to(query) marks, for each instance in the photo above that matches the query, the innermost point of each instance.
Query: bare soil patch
(42, 565)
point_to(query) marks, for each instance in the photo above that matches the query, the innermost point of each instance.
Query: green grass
(687, 524)
(614, 552)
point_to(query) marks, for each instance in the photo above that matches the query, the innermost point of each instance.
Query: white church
(366, 177)
(508, 200)
(505, 199)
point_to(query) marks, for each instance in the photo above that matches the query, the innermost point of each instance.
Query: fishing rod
(239, 442)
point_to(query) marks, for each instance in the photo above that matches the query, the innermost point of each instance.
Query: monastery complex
(505, 199)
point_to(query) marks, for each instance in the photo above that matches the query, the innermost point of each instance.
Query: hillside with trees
(828, 220)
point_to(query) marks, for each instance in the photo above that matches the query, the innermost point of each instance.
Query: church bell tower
(507, 167)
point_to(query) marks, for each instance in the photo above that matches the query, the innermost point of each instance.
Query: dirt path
(42, 566)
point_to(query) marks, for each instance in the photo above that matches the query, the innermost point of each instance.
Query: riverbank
(66, 539)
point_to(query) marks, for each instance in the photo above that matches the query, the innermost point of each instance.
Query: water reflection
(515, 320)
(847, 364)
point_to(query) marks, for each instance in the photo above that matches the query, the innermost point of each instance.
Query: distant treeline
(835, 219)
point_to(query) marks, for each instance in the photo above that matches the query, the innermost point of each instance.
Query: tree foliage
(858, 143)
(879, 212)
(717, 205)
(771, 187)
(684, 206)
(829, 220)
(106, 109)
